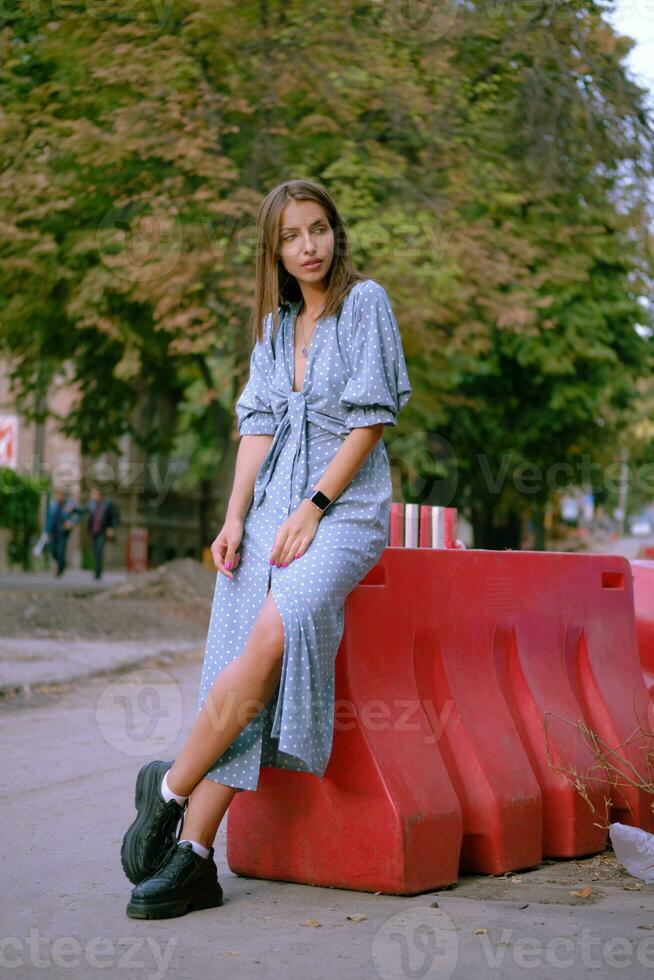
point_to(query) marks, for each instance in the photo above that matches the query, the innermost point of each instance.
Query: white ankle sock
(198, 848)
(167, 792)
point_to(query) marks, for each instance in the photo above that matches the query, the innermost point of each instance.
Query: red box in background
(136, 549)
(423, 526)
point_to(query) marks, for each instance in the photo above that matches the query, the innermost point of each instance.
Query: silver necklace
(305, 346)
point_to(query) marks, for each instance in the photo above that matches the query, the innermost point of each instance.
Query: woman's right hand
(224, 547)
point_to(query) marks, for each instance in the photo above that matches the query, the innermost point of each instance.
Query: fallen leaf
(645, 927)
(583, 892)
(480, 932)
(356, 918)
(633, 888)
(517, 879)
(311, 922)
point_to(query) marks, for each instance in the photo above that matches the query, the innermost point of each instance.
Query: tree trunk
(538, 520)
(205, 524)
(496, 534)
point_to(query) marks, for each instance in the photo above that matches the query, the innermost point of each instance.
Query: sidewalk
(71, 763)
(73, 578)
(61, 630)
(27, 664)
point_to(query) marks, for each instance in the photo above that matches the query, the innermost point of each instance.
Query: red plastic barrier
(643, 572)
(449, 662)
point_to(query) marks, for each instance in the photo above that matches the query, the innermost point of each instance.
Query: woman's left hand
(296, 533)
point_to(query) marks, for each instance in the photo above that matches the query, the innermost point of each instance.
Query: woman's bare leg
(207, 805)
(237, 695)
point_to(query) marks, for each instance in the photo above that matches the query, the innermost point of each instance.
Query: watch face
(320, 499)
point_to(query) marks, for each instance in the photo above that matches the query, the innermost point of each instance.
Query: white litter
(634, 849)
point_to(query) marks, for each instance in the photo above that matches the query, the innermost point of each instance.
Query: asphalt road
(68, 766)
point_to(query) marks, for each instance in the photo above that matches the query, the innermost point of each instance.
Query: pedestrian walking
(62, 514)
(307, 518)
(103, 517)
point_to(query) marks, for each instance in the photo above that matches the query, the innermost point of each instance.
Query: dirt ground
(576, 881)
(172, 600)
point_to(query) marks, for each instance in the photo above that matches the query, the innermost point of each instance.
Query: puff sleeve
(254, 414)
(378, 387)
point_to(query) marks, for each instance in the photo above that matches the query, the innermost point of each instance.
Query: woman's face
(306, 237)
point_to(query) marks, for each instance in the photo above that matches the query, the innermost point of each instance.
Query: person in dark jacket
(62, 515)
(103, 517)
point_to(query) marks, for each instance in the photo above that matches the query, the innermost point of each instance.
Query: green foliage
(492, 168)
(19, 512)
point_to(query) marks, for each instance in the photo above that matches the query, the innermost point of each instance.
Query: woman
(307, 518)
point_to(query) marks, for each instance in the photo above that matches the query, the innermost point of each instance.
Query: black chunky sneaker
(184, 883)
(154, 831)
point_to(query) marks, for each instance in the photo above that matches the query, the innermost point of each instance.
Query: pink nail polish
(271, 562)
(228, 564)
(298, 556)
(284, 564)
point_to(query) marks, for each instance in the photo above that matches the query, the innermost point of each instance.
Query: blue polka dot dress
(355, 375)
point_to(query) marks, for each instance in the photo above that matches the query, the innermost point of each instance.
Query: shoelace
(170, 868)
(163, 822)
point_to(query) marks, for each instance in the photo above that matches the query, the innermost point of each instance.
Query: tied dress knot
(293, 427)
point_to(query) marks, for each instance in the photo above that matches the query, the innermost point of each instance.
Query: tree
(491, 173)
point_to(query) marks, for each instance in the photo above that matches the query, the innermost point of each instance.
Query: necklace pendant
(305, 351)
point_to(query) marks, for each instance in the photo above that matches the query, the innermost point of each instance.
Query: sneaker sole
(147, 781)
(170, 910)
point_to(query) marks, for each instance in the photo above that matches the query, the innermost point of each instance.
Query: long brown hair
(275, 286)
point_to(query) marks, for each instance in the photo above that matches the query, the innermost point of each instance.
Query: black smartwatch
(317, 497)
